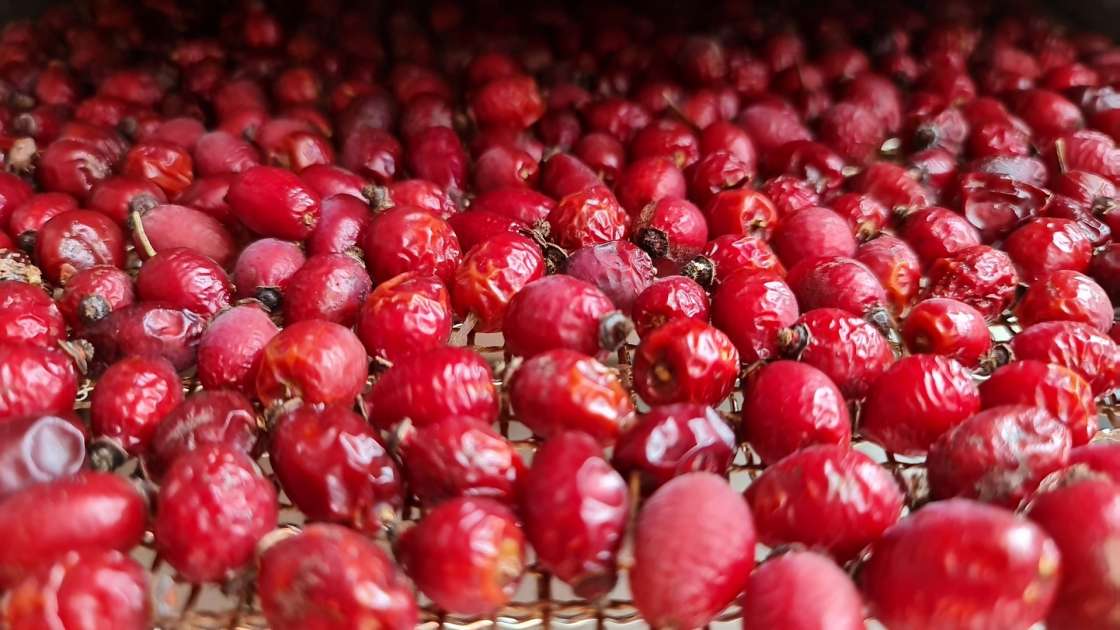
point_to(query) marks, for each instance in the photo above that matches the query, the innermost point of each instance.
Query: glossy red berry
(35, 380)
(1073, 345)
(837, 282)
(751, 308)
(672, 229)
(30, 215)
(329, 287)
(668, 298)
(802, 590)
(76, 240)
(1056, 389)
(213, 507)
(407, 239)
(685, 361)
(795, 500)
(563, 312)
(427, 387)
(467, 555)
(670, 440)
(28, 314)
(185, 279)
(980, 276)
(491, 274)
(315, 361)
(168, 226)
(693, 551)
(563, 390)
(73, 167)
(326, 575)
(1043, 245)
(942, 553)
(510, 101)
(788, 406)
(166, 165)
(115, 196)
(741, 212)
(936, 232)
(1066, 296)
(210, 416)
(342, 225)
(264, 267)
(131, 399)
(728, 254)
(334, 468)
(648, 180)
(949, 328)
(998, 456)
(39, 449)
(274, 202)
(845, 347)
(576, 508)
(588, 216)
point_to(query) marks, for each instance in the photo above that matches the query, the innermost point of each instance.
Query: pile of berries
(864, 255)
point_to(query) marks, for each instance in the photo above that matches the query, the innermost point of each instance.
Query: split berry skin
(132, 397)
(802, 590)
(1058, 390)
(788, 406)
(324, 575)
(921, 554)
(794, 500)
(751, 308)
(212, 416)
(563, 312)
(315, 361)
(693, 551)
(404, 315)
(213, 507)
(1073, 345)
(38, 449)
(575, 508)
(976, 460)
(333, 466)
(670, 440)
(467, 555)
(685, 361)
(430, 386)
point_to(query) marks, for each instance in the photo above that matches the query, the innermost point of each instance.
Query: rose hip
(1056, 389)
(467, 555)
(1073, 345)
(229, 351)
(325, 575)
(491, 274)
(460, 456)
(427, 387)
(945, 551)
(998, 456)
(751, 308)
(980, 276)
(147, 330)
(183, 278)
(619, 268)
(28, 314)
(38, 449)
(315, 361)
(672, 229)
(668, 298)
(936, 232)
(342, 225)
(838, 282)
(1065, 296)
(76, 240)
(166, 165)
(693, 551)
(724, 255)
(588, 216)
(408, 239)
(670, 440)
(30, 215)
(812, 232)
(1044, 245)
(168, 226)
(35, 380)
(212, 416)
(576, 508)
(825, 496)
(334, 468)
(741, 212)
(115, 196)
(788, 406)
(850, 351)
(274, 202)
(131, 399)
(264, 267)
(685, 361)
(563, 312)
(213, 507)
(949, 328)
(329, 287)
(802, 590)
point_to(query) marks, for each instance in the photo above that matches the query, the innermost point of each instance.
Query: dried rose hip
(210, 416)
(404, 315)
(213, 507)
(168, 226)
(76, 240)
(184, 279)
(1056, 389)
(151, 329)
(459, 456)
(264, 267)
(693, 551)
(81, 591)
(619, 268)
(1073, 345)
(427, 387)
(789, 405)
(409, 239)
(334, 468)
(685, 361)
(563, 390)
(274, 202)
(850, 351)
(668, 298)
(325, 575)
(810, 233)
(727, 254)
(587, 217)
(1065, 296)
(329, 287)
(1087, 596)
(28, 314)
(229, 351)
(670, 440)
(35, 380)
(90, 510)
(945, 552)
(895, 265)
(937, 232)
(949, 328)
(825, 496)
(315, 361)
(982, 277)
(998, 456)
(751, 308)
(671, 229)
(1046, 244)
(131, 398)
(802, 590)
(92, 294)
(837, 282)
(467, 555)
(576, 508)
(491, 274)
(38, 449)
(563, 312)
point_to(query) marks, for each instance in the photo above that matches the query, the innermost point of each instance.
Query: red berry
(850, 351)
(563, 390)
(826, 497)
(1073, 345)
(587, 217)
(730, 253)
(27, 314)
(853, 130)
(491, 274)
(685, 361)
(1065, 296)
(620, 269)
(166, 165)
(788, 406)
(995, 204)
(668, 298)
(334, 468)
(1056, 389)
(77, 240)
(514, 101)
(521, 204)
(168, 226)
(741, 212)
(35, 380)
(436, 154)
(39, 449)
(219, 152)
(183, 278)
(949, 328)
(802, 590)
(315, 361)
(73, 167)
(274, 202)
(562, 312)
(264, 267)
(837, 282)
(211, 416)
(982, 277)
(934, 568)
(147, 330)
(407, 239)
(999, 455)
(32, 213)
(330, 287)
(810, 233)
(751, 308)
(671, 440)
(229, 351)
(372, 153)
(115, 196)
(693, 551)
(325, 576)
(864, 213)
(131, 399)
(427, 387)
(576, 509)
(672, 229)
(467, 555)
(936, 232)
(893, 186)
(715, 173)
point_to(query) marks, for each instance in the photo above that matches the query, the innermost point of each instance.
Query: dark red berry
(427, 387)
(620, 269)
(274, 202)
(168, 226)
(35, 380)
(28, 314)
(751, 308)
(845, 347)
(211, 416)
(1065, 296)
(149, 329)
(668, 298)
(685, 361)
(837, 282)
(589, 216)
(77, 240)
(407, 239)
(563, 312)
(330, 287)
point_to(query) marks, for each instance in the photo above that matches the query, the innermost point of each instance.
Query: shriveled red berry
(619, 268)
(213, 507)
(315, 361)
(264, 267)
(980, 276)
(166, 165)
(837, 282)
(148, 329)
(76, 240)
(933, 568)
(408, 239)
(587, 217)
(668, 298)
(1044, 244)
(334, 468)
(825, 496)
(32, 213)
(329, 287)
(81, 591)
(168, 226)
(741, 212)
(90, 510)
(460, 456)
(672, 229)
(274, 202)
(576, 508)
(1056, 389)
(131, 399)
(562, 312)
(328, 575)
(999, 455)
(685, 361)
(729, 253)
(229, 351)
(209, 416)
(810, 233)
(467, 555)
(936, 232)
(845, 347)
(563, 390)
(693, 551)
(1066, 296)
(788, 406)
(38, 449)
(751, 308)
(491, 274)
(427, 387)
(802, 590)
(949, 328)
(28, 314)
(35, 380)
(183, 278)
(1087, 596)
(1073, 345)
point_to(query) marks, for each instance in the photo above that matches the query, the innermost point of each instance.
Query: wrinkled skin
(949, 328)
(896, 266)
(491, 274)
(184, 279)
(94, 293)
(409, 239)
(210, 416)
(802, 590)
(35, 380)
(685, 361)
(229, 351)
(667, 298)
(330, 287)
(316, 361)
(620, 269)
(429, 386)
(404, 315)
(131, 399)
(671, 440)
(836, 282)
(1066, 295)
(460, 456)
(1073, 345)
(751, 308)
(982, 277)
(847, 349)
(1058, 390)
(38, 449)
(789, 405)
(555, 312)
(147, 329)
(28, 314)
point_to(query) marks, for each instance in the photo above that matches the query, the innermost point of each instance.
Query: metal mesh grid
(541, 601)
